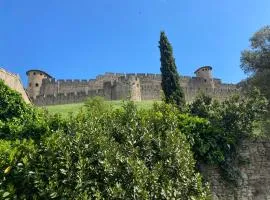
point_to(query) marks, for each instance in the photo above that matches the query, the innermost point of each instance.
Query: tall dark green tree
(170, 77)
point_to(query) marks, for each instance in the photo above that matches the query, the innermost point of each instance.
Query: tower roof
(204, 67)
(39, 71)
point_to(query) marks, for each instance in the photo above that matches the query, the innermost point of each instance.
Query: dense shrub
(126, 153)
(99, 154)
(11, 103)
(227, 124)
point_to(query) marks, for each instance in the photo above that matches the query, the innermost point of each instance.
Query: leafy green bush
(16, 169)
(11, 103)
(124, 153)
(101, 153)
(227, 123)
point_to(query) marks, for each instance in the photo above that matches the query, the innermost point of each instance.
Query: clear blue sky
(80, 39)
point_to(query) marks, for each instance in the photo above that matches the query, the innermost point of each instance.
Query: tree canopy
(170, 77)
(256, 61)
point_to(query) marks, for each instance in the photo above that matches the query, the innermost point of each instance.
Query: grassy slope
(75, 108)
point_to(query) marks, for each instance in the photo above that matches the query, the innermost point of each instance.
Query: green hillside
(75, 108)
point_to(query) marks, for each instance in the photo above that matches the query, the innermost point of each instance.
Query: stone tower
(205, 73)
(35, 78)
(135, 88)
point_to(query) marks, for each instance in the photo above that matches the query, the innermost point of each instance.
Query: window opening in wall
(40, 74)
(30, 84)
(34, 73)
(205, 80)
(36, 84)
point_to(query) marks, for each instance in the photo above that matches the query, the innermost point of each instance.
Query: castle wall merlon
(121, 85)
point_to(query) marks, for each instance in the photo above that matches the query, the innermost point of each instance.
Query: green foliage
(170, 78)
(256, 61)
(76, 108)
(96, 105)
(121, 153)
(101, 153)
(227, 123)
(11, 103)
(16, 175)
(19, 120)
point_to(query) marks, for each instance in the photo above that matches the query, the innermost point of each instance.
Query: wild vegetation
(121, 153)
(256, 61)
(125, 152)
(101, 153)
(66, 109)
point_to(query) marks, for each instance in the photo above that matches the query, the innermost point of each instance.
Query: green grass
(65, 109)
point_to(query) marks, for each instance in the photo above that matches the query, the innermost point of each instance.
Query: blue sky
(83, 38)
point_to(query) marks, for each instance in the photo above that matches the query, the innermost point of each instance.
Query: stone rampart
(117, 87)
(14, 82)
(216, 93)
(254, 183)
(66, 98)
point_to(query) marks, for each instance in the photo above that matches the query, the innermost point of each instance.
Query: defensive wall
(46, 90)
(254, 183)
(71, 91)
(14, 82)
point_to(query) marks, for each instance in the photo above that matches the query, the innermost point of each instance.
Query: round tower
(204, 72)
(35, 78)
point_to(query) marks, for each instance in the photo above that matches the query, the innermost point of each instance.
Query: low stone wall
(255, 181)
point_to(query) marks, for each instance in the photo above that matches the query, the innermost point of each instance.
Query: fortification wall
(14, 82)
(216, 93)
(116, 86)
(121, 90)
(255, 181)
(150, 86)
(126, 87)
(66, 98)
(52, 86)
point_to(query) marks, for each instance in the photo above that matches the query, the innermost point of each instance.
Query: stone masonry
(14, 82)
(46, 90)
(254, 183)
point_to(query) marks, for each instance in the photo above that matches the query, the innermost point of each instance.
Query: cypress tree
(170, 77)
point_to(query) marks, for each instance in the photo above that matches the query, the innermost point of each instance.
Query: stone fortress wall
(14, 82)
(254, 182)
(45, 90)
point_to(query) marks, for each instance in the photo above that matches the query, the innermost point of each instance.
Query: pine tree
(170, 77)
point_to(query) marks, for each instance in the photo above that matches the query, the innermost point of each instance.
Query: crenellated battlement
(137, 86)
